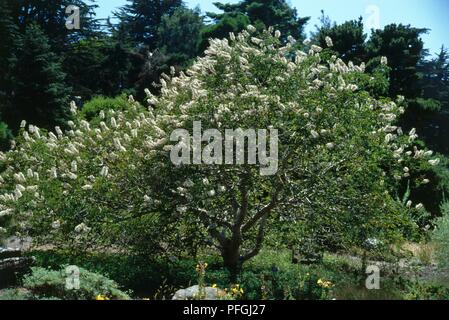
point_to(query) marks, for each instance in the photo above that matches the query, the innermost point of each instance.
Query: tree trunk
(231, 258)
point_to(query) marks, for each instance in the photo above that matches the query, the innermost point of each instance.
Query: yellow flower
(214, 285)
(324, 284)
(201, 267)
(241, 290)
(100, 297)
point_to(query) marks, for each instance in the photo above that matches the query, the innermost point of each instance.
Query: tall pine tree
(9, 35)
(141, 19)
(51, 17)
(434, 80)
(403, 46)
(179, 35)
(264, 14)
(348, 38)
(40, 94)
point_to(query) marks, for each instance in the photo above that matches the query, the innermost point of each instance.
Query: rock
(192, 293)
(11, 262)
(9, 253)
(19, 243)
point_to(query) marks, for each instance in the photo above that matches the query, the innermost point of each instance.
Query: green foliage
(51, 17)
(92, 109)
(262, 14)
(39, 83)
(142, 274)
(430, 111)
(440, 237)
(429, 188)
(403, 47)
(426, 291)
(232, 22)
(126, 194)
(272, 276)
(179, 36)
(141, 19)
(46, 283)
(10, 36)
(15, 294)
(348, 38)
(109, 60)
(431, 105)
(434, 79)
(5, 136)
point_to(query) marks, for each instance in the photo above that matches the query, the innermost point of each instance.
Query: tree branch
(243, 210)
(262, 213)
(259, 240)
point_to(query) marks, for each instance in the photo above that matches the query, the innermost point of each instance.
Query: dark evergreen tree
(180, 35)
(9, 36)
(106, 58)
(403, 47)
(223, 25)
(40, 94)
(348, 38)
(51, 16)
(434, 78)
(141, 19)
(262, 14)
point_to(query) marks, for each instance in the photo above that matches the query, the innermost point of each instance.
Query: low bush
(92, 108)
(426, 291)
(45, 283)
(15, 294)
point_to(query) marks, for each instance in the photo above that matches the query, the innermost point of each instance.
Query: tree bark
(231, 258)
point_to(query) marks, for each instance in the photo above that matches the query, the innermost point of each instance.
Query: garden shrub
(47, 283)
(143, 275)
(416, 290)
(92, 108)
(271, 275)
(16, 294)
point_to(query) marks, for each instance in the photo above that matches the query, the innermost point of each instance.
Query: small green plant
(440, 237)
(201, 270)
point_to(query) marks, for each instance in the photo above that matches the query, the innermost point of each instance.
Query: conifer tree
(40, 93)
(141, 18)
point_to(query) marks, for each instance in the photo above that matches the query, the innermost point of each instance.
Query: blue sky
(432, 14)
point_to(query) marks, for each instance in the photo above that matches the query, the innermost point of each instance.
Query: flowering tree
(339, 155)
